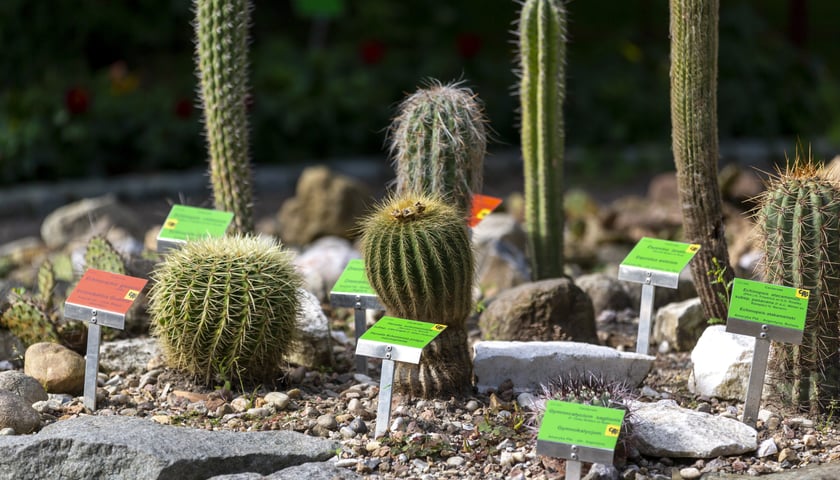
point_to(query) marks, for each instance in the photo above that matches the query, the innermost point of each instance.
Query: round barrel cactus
(226, 307)
(419, 260)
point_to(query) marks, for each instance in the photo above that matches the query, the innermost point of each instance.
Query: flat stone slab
(532, 364)
(111, 447)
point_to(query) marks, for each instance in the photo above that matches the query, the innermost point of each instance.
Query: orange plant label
(482, 205)
(106, 291)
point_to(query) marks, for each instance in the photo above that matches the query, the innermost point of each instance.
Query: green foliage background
(326, 88)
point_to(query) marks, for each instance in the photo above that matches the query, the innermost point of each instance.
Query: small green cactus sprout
(798, 220)
(101, 255)
(438, 143)
(419, 260)
(226, 306)
(46, 284)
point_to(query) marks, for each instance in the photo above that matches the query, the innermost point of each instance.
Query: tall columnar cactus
(438, 143)
(694, 67)
(542, 56)
(227, 307)
(798, 220)
(419, 260)
(222, 45)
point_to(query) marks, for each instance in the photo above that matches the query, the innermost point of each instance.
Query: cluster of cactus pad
(438, 143)
(101, 255)
(542, 55)
(226, 307)
(419, 260)
(222, 56)
(798, 221)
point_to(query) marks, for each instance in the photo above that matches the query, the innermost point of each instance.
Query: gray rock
(88, 217)
(10, 346)
(129, 447)
(606, 292)
(554, 309)
(314, 346)
(502, 227)
(128, 355)
(17, 414)
(22, 385)
(663, 429)
(322, 263)
(500, 266)
(531, 364)
(680, 324)
(829, 471)
(56, 367)
(309, 471)
(325, 203)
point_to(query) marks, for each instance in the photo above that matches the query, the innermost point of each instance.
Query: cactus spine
(226, 306)
(542, 55)
(438, 143)
(419, 260)
(798, 220)
(101, 255)
(222, 44)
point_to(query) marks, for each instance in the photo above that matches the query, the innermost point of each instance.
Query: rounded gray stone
(15, 413)
(22, 385)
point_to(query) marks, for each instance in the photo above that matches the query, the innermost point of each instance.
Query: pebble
(354, 404)
(456, 461)
(7, 431)
(347, 432)
(259, 412)
(766, 448)
(327, 421)
(689, 473)
(277, 400)
(399, 424)
(240, 404)
(346, 462)
(162, 419)
(359, 426)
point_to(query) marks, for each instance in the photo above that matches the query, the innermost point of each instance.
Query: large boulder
(554, 309)
(56, 367)
(88, 217)
(325, 203)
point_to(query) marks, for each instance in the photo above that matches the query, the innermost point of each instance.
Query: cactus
(46, 283)
(419, 260)
(438, 143)
(222, 44)
(542, 55)
(101, 255)
(798, 221)
(226, 306)
(29, 322)
(694, 68)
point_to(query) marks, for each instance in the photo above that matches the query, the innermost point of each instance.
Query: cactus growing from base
(227, 307)
(419, 260)
(798, 220)
(29, 322)
(542, 55)
(438, 143)
(221, 48)
(101, 255)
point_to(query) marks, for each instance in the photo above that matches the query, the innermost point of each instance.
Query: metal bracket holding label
(360, 304)
(756, 381)
(649, 279)
(575, 452)
(166, 244)
(96, 320)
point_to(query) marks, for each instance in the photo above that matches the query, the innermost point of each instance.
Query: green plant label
(354, 279)
(185, 223)
(319, 8)
(661, 255)
(580, 425)
(769, 304)
(399, 331)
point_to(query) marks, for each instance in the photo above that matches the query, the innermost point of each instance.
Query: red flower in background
(469, 44)
(77, 100)
(183, 108)
(372, 52)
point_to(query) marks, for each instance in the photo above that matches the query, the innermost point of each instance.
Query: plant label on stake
(394, 340)
(101, 299)
(186, 223)
(482, 205)
(579, 433)
(766, 312)
(654, 263)
(353, 290)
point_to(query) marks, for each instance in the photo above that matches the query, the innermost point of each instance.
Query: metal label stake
(100, 299)
(766, 312)
(394, 340)
(654, 263)
(353, 290)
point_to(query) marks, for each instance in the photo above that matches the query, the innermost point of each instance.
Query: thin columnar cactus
(226, 306)
(221, 48)
(419, 260)
(798, 220)
(438, 143)
(542, 56)
(694, 138)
